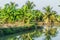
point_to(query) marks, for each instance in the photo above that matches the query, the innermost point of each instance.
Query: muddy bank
(17, 24)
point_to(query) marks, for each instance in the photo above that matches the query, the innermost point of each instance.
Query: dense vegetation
(26, 14)
(10, 13)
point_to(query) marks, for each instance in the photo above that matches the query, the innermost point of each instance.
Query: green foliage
(10, 13)
(49, 15)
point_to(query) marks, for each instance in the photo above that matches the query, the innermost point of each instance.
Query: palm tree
(27, 11)
(58, 17)
(30, 5)
(47, 13)
(50, 15)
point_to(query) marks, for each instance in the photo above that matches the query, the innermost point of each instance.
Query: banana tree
(10, 10)
(2, 16)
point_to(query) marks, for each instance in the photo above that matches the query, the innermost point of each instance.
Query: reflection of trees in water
(30, 35)
(51, 32)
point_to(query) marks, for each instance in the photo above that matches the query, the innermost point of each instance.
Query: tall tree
(50, 15)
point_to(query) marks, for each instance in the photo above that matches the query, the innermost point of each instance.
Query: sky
(39, 3)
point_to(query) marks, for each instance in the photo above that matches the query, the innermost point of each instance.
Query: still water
(41, 33)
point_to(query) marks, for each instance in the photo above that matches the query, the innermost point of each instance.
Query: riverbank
(7, 29)
(19, 24)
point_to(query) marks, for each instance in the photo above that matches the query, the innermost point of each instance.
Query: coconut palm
(27, 11)
(50, 15)
(58, 17)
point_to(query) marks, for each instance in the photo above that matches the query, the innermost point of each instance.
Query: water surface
(41, 33)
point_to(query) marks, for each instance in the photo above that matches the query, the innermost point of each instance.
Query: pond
(41, 33)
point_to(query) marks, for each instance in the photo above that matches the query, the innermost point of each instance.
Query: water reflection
(52, 32)
(48, 32)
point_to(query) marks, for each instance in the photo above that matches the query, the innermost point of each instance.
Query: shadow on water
(30, 34)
